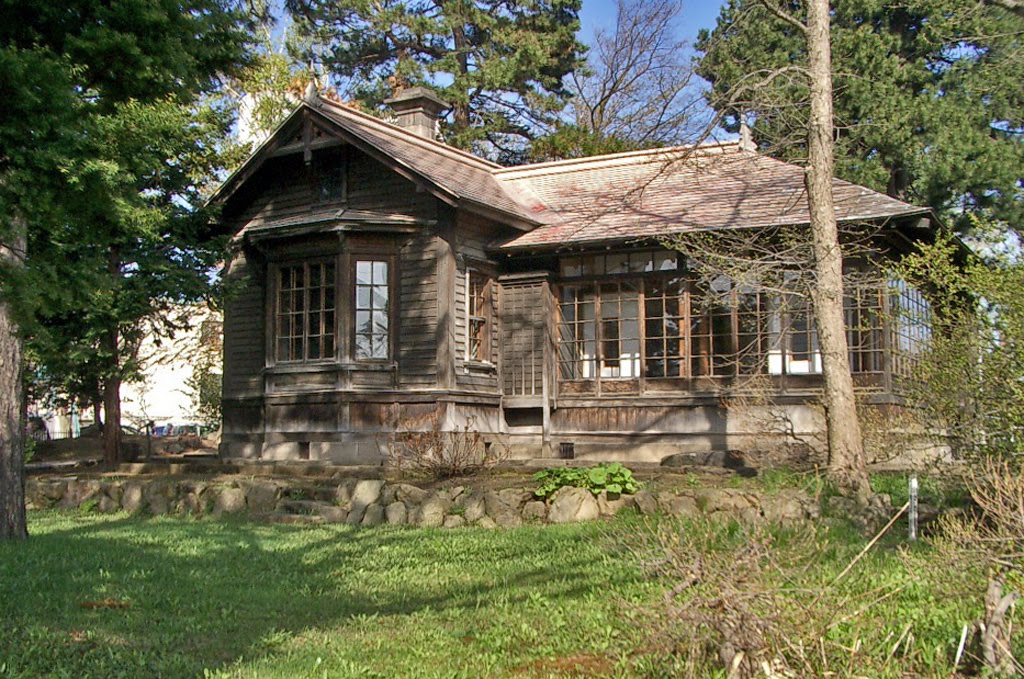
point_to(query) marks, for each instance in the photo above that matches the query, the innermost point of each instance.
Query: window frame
(371, 255)
(487, 297)
(328, 283)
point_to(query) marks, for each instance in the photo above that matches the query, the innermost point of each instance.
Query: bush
(612, 477)
(439, 454)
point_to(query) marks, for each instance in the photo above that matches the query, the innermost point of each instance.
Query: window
(305, 312)
(372, 310)
(911, 327)
(478, 317)
(329, 179)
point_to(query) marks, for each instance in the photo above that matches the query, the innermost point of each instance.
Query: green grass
(258, 600)
(245, 599)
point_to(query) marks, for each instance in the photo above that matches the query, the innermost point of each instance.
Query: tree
(500, 63)
(927, 97)
(637, 89)
(72, 76)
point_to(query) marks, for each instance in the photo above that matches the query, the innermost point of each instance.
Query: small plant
(611, 477)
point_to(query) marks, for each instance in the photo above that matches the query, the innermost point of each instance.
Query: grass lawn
(101, 596)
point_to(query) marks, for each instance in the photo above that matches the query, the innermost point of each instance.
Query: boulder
(355, 515)
(569, 505)
(388, 494)
(366, 492)
(785, 507)
(230, 501)
(475, 509)
(332, 513)
(192, 504)
(452, 493)
(431, 513)
(729, 500)
(535, 511)
(486, 522)
(80, 492)
(396, 513)
(131, 498)
(645, 502)
(53, 490)
(515, 497)
(343, 493)
(504, 514)
(410, 495)
(113, 490)
(107, 505)
(454, 521)
(261, 496)
(611, 504)
(682, 505)
(374, 516)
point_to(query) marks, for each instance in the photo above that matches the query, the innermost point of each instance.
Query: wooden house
(383, 281)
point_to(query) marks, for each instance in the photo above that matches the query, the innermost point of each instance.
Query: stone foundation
(374, 502)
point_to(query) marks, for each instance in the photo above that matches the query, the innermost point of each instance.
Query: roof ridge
(621, 158)
(395, 130)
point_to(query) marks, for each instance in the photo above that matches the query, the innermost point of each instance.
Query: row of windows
(305, 312)
(676, 326)
(661, 323)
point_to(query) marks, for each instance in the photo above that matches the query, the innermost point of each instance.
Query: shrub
(612, 477)
(440, 454)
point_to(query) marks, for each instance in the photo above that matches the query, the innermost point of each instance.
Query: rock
(453, 493)
(611, 504)
(785, 507)
(107, 505)
(486, 522)
(474, 508)
(682, 505)
(504, 514)
(388, 494)
(230, 501)
(515, 497)
(261, 496)
(310, 507)
(355, 515)
(374, 516)
(131, 498)
(535, 511)
(410, 495)
(366, 492)
(454, 521)
(569, 505)
(80, 492)
(332, 514)
(645, 502)
(396, 513)
(431, 512)
(113, 491)
(53, 490)
(711, 500)
(158, 505)
(343, 493)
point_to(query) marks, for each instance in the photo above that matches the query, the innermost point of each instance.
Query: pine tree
(499, 63)
(928, 99)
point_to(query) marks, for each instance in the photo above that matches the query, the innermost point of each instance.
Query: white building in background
(163, 395)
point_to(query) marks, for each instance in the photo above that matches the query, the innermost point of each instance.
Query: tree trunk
(97, 410)
(112, 405)
(846, 463)
(12, 412)
(460, 112)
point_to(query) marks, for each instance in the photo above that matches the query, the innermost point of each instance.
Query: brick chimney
(418, 110)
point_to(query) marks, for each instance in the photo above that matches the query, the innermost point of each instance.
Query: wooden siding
(417, 326)
(244, 318)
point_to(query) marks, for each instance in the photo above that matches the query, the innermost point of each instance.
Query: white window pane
(364, 273)
(380, 273)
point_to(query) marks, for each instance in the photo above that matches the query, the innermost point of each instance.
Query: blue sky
(695, 16)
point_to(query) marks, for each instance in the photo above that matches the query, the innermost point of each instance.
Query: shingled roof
(617, 197)
(645, 194)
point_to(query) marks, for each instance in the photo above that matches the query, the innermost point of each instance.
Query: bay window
(304, 312)
(372, 310)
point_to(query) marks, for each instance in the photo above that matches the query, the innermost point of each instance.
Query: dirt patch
(581, 665)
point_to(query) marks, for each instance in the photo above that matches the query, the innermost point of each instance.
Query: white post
(912, 515)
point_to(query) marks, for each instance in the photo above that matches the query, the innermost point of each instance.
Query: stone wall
(374, 502)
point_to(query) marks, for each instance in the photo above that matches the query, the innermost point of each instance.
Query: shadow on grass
(202, 594)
